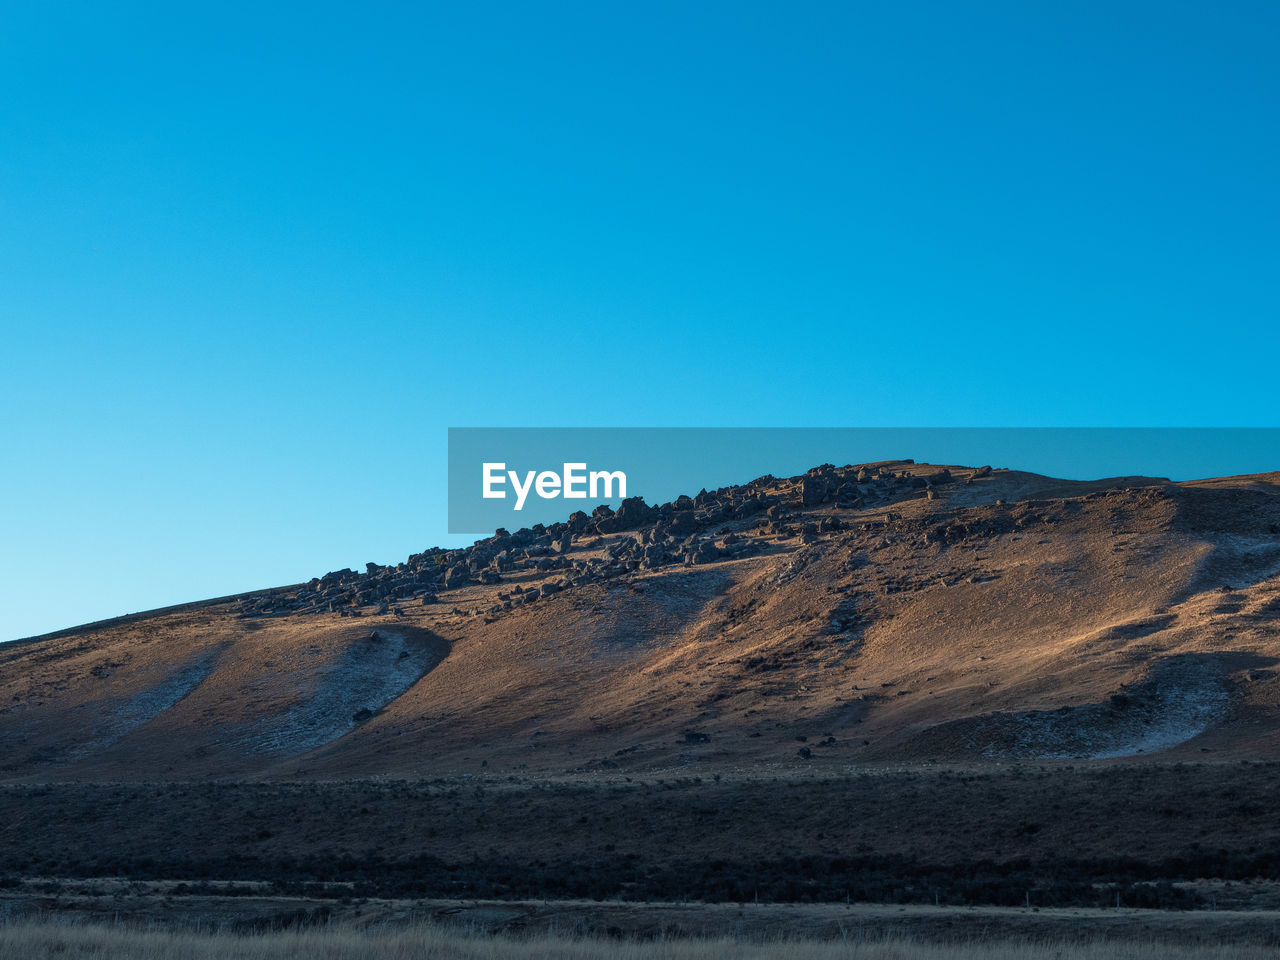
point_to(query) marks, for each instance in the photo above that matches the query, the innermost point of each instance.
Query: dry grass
(37, 940)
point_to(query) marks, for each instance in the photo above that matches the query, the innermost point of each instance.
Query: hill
(854, 616)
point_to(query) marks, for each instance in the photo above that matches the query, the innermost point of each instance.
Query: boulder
(704, 552)
(654, 556)
(813, 491)
(683, 522)
(634, 512)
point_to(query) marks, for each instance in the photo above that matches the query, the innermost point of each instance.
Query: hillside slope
(868, 614)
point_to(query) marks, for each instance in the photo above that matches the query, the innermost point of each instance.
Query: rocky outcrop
(709, 527)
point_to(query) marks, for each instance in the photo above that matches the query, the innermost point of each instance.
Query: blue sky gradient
(256, 259)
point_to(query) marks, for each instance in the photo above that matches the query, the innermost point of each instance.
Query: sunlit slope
(869, 614)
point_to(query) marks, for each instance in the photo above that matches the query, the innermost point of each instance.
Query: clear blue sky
(256, 258)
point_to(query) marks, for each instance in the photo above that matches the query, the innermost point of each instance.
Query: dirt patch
(125, 717)
(371, 673)
(1179, 700)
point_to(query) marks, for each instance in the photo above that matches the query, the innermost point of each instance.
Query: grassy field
(1200, 836)
(38, 940)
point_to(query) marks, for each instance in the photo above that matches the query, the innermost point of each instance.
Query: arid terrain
(895, 683)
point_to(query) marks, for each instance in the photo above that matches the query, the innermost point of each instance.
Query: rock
(984, 471)
(654, 556)
(704, 552)
(624, 547)
(683, 523)
(633, 512)
(714, 515)
(813, 491)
